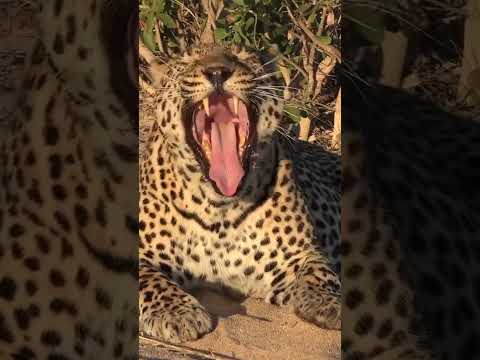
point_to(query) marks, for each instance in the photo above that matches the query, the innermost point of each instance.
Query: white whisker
(266, 76)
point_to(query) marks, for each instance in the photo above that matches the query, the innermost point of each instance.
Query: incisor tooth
(206, 106)
(235, 105)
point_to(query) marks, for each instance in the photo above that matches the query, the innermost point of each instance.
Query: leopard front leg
(314, 291)
(167, 312)
(317, 294)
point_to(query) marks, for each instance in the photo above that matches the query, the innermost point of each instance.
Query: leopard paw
(324, 310)
(188, 322)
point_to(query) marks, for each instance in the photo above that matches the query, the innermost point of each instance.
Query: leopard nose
(217, 76)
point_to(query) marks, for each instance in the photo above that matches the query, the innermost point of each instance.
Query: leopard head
(221, 113)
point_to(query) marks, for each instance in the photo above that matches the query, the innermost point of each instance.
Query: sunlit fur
(183, 83)
(277, 238)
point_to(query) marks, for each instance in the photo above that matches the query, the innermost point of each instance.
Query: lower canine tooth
(205, 140)
(207, 150)
(235, 105)
(206, 106)
(242, 141)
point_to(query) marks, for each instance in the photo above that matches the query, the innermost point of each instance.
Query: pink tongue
(225, 167)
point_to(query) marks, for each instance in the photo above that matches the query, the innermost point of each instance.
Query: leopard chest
(244, 257)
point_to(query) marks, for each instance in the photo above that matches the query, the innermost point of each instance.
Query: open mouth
(222, 127)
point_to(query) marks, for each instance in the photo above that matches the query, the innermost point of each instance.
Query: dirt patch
(250, 330)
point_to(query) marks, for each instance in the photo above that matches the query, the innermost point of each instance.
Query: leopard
(69, 205)
(228, 202)
(410, 215)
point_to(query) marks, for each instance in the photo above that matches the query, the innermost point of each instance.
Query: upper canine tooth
(206, 106)
(235, 105)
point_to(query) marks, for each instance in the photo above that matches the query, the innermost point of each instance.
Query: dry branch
(304, 124)
(337, 122)
(158, 38)
(213, 9)
(156, 70)
(323, 71)
(182, 349)
(328, 49)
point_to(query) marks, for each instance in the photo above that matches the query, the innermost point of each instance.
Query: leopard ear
(153, 69)
(158, 73)
(145, 52)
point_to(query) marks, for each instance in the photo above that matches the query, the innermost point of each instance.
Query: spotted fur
(410, 215)
(68, 218)
(277, 239)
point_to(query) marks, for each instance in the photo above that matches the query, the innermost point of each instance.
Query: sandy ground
(251, 330)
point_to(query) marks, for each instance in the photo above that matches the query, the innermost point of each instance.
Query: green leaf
(238, 30)
(148, 36)
(293, 113)
(222, 22)
(149, 40)
(172, 44)
(239, 2)
(237, 39)
(312, 17)
(220, 34)
(249, 23)
(167, 21)
(159, 6)
(327, 40)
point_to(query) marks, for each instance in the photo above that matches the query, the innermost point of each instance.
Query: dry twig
(213, 9)
(337, 122)
(200, 354)
(305, 123)
(329, 49)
